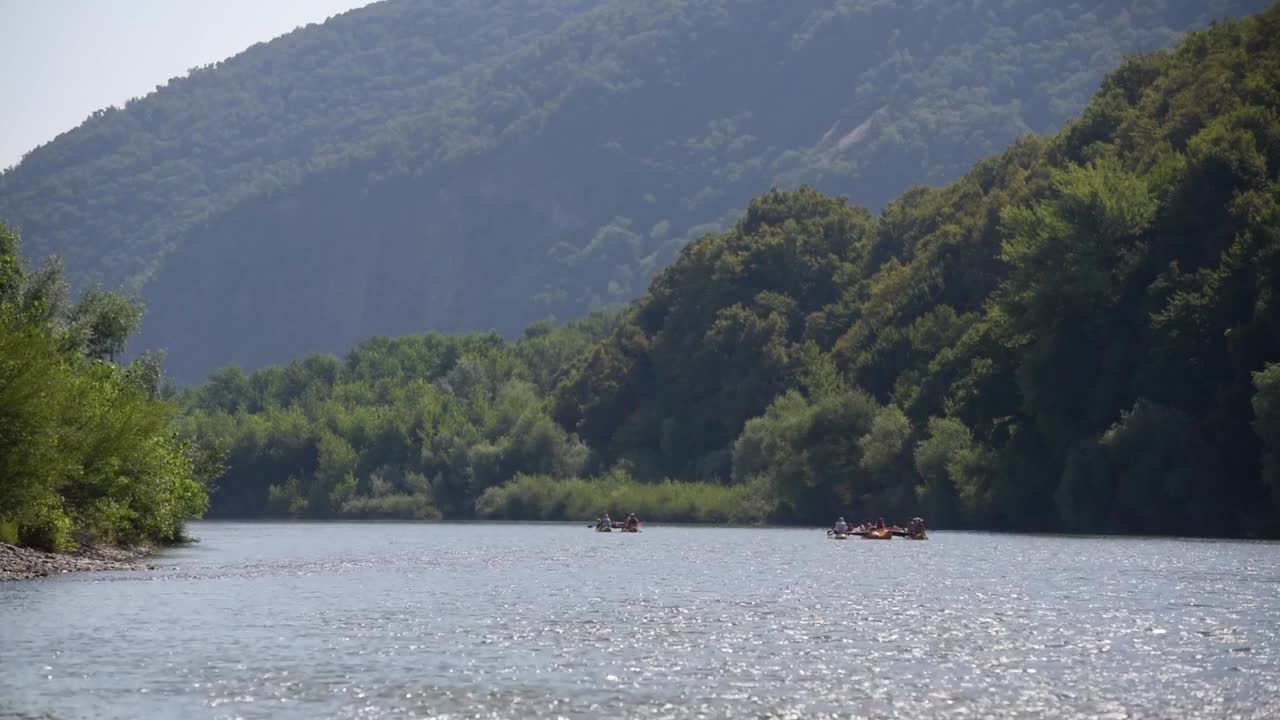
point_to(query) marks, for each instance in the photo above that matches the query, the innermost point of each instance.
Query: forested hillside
(454, 166)
(1081, 333)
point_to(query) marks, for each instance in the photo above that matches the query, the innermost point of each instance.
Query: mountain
(450, 166)
(1081, 333)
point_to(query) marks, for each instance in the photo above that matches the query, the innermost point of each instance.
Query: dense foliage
(464, 166)
(406, 427)
(1080, 334)
(425, 427)
(87, 452)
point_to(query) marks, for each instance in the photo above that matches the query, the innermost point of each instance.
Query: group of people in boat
(878, 529)
(605, 524)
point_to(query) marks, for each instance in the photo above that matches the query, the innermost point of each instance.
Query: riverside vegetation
(1081, 333)
(87, 449)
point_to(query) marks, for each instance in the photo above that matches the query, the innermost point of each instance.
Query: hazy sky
(62, 59)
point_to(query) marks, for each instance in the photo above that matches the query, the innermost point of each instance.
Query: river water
(435, 620)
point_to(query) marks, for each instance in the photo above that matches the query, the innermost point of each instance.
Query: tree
(1266, 412)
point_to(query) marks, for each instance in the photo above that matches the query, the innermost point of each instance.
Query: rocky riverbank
(24, 563)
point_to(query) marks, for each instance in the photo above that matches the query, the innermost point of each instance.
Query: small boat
(914, 530)
(616, 525)
(878, 534)
(838, 536)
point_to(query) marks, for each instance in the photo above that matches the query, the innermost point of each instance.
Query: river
(351, 620)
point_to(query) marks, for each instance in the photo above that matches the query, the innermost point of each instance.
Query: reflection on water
(461, 621)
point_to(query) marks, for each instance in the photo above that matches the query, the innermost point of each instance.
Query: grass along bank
(542, 497)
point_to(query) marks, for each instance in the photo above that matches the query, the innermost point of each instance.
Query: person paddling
(841, 528)
(633, 523)
(916, 528)
(605, 522)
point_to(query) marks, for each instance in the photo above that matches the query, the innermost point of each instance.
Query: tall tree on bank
(87, 452)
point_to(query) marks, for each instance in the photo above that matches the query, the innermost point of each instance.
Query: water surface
(460, 621)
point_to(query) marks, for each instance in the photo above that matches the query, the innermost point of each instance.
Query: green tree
(87, 452)
(1266, 412)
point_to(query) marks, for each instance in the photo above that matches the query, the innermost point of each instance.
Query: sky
(61, 60)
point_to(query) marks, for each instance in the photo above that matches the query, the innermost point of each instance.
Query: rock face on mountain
(446, 165)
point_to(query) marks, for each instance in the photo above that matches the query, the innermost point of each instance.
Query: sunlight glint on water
(403, 620)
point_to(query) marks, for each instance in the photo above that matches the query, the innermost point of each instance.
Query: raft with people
(915, 530)
(878, 530)
(605, 524)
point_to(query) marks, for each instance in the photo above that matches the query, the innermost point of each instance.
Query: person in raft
(605, 522)
(841, 528)
(633, 522)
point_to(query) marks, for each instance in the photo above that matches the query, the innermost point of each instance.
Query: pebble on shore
(18, 563)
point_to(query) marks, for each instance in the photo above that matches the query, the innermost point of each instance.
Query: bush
(401, 506)
(541, 497)
(94, 453)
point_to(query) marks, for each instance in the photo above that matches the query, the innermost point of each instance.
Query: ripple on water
(382, 621)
